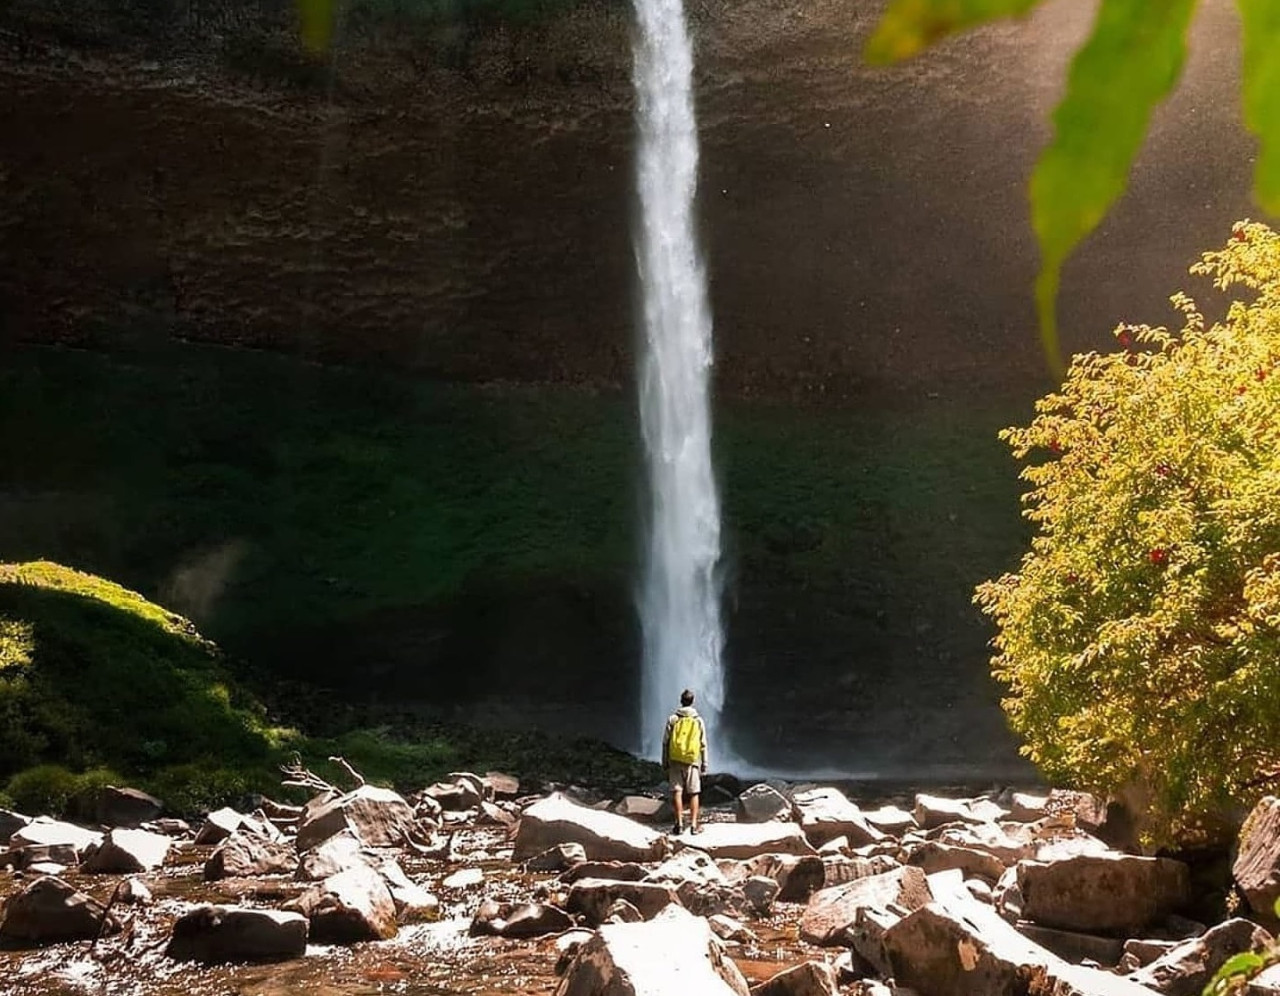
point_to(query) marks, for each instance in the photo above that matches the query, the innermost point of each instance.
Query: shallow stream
(426, 959)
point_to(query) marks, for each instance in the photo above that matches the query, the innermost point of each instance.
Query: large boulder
(377, 817)
(458, 795)
(1102, 893)
(1186, 968)
(1257, 864)
(330, 857)
(810, 978)
(760, 891)
(825, 813)
(837, 869)
(933, 811)
(644, 807)
(866, 937)
(219, 824)
(749, 840)
(1073, 946)
(618, 871)
(1007, 847)
(936, 951)
(673, 953)
(50, 910)
(557, 858)
(501, 786)
(798, 876)
(32, 857)
(413, 902)
(831, 912)
(960, 946)
(762, 803)
(1027, 807)
(212, 934)
(592, 897)
(119, 807)
(933, 856)
(687, 866)
(246, 854)
(604, 836)
(353, 906)
(519, 920)
(49, 832)
(127, 851)
(890, 819)
(11, 823)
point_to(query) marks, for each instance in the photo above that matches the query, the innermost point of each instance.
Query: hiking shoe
(677, 830)
(697, 829)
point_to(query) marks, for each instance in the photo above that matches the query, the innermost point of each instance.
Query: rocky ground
(474, 886)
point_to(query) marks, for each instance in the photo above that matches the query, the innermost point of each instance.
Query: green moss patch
(94, 674)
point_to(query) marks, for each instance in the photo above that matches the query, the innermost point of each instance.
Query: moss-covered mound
(94, 675)
(99, 685)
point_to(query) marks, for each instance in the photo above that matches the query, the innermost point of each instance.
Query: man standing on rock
(684, 758)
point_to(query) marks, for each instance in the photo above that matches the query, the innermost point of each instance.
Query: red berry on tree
(1158, 555)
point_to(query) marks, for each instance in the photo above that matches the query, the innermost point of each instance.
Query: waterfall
(680, 594)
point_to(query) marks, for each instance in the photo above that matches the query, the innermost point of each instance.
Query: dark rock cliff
(455, 198)
(451, 200)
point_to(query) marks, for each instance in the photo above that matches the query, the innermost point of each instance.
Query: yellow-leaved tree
(1139, 639)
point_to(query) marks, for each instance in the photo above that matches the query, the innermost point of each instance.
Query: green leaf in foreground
(1129, 64)
(1261, 84)
(1244, 965)
(909, 26)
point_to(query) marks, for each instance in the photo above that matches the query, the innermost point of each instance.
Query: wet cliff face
(452, 202)
(456, 198)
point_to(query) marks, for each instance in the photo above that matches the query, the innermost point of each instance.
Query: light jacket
(671, 725)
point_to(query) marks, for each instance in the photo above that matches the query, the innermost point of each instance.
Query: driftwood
(296, 775)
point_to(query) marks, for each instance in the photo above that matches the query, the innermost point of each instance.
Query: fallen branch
(106, 915)
(296, 775)
(342, 763)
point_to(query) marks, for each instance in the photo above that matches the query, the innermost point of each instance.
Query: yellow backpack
(686, 740)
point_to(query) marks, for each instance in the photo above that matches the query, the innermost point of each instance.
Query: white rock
(825, 813)
(750, 840)
(45, 831)
(604, 836)
(463, 878)
(353, 906)
(126, 851)
(377, 817)
(675, 954)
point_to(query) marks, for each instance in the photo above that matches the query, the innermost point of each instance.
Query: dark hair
(686, 698)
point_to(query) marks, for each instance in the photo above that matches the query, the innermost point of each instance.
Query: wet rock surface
(467, 918)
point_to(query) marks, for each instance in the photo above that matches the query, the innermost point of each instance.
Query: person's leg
(677, 803)
(693, 791)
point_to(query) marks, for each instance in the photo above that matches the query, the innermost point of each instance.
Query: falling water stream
(680, 594)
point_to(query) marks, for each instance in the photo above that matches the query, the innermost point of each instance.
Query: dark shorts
(685, 778)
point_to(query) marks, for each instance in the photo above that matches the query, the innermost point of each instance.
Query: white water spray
(680, 598)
